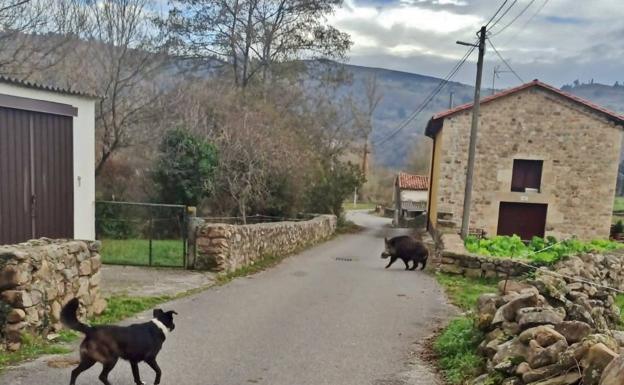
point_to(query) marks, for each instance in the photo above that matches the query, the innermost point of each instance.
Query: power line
(497, 11)
(428, 99)
(504, 61)
(515, 18)
(504, 13)
(529, 20)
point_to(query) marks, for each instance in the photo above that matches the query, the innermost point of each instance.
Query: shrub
(514, 247)
(619, 227)
(110, 222)
(185, 169)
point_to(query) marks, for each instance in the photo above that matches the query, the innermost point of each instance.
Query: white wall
(84, 153)
(414, 195)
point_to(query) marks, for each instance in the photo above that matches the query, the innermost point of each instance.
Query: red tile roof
(434, 122)
(413, 182)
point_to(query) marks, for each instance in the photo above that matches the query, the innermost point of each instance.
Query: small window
(527, 174)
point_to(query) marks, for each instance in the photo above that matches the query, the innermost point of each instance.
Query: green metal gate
(142, 234)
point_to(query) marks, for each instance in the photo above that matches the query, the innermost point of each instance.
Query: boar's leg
(415, 264)
(392, 260)
(424, 263)
(406, 262)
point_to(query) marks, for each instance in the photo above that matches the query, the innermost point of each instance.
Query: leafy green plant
(618, 228)
(538, 250)
(185, 169)
(456, 350)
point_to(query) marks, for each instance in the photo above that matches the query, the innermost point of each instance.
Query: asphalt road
(311, 320)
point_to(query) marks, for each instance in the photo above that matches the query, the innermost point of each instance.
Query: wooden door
(523, 219)
(36, 176)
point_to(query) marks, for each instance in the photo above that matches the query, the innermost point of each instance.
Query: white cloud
(567, 40)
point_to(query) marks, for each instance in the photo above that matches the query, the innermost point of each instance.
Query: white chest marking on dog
(161, 326)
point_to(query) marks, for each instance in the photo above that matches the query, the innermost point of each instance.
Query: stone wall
(580, 152)
(556, 328)
(38, 277)
(224, 247)
(455, 259)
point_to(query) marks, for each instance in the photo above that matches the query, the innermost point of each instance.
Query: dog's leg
(85, 363)
(135, 373)
(392, 260)
(107, 369)
(152, 363)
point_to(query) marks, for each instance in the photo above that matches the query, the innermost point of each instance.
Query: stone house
(47, 162)
(410, 195)
(546, 164)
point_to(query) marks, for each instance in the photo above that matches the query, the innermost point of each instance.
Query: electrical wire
(503, 14)
(505, 61)
(428, 99)
(497, 11)
(514, 19)
(529, 20)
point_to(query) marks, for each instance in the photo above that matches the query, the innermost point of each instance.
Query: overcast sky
(566, 40)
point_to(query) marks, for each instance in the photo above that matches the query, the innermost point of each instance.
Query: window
(527, 174)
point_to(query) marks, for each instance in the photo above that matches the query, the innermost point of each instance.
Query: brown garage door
(523, 219)
(36, 176)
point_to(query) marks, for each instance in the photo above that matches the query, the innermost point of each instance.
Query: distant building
(546, 164)
(410, 195)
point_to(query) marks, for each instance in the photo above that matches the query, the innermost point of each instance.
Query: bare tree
(363, 114)
(35, 35)
(124, 69)
(252, 35)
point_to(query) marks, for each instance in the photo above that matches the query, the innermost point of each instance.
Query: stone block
(96, 262)
(17, 298)
(16, 315)
(451, 269)
(84, 268)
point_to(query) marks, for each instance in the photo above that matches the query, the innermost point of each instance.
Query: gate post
(191, 224)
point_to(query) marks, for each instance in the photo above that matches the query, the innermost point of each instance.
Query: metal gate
(36, 175)
(141, 234)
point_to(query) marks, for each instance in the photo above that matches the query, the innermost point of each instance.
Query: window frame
(525, 169)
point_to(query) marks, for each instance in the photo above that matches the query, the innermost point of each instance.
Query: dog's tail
(69, 319)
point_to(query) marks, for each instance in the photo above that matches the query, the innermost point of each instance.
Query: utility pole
(451, 100)
(473, 134)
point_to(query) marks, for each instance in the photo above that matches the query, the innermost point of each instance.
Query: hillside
(403, 92)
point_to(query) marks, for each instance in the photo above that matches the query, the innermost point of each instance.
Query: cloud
(565, 41)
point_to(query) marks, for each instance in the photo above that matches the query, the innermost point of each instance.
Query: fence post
(189, 257)
(150, 238)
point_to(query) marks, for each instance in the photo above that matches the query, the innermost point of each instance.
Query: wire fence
(142, 234)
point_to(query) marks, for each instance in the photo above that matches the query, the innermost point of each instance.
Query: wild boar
(408, 249)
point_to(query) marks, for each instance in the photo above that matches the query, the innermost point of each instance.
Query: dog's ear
(158, 312)
(173, 312)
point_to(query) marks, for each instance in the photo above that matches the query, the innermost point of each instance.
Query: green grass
(259, 265)
(456, 351)
(359, 206)
(618, 204)
(136, 252)
(32, 346)
(619, 301)
(456, 346)
(121, 307)
(464, 292)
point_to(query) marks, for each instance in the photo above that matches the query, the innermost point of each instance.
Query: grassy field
(136, 252)
(464, 292)
(359, 206)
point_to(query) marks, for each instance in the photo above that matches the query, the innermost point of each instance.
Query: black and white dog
(106, 344)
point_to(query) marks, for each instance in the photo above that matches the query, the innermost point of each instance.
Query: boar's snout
(385, 255)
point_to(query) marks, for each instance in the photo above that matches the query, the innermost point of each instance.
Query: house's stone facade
(579, 147)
